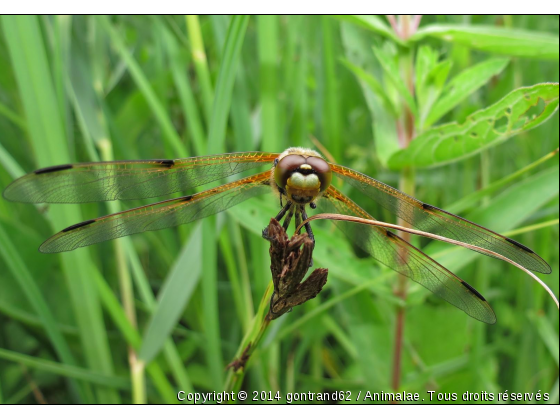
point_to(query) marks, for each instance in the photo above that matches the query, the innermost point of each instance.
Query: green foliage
(460, 113)
(502, 41)
(515, 113)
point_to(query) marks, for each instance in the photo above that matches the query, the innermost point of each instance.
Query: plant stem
(407, 186)
(200, 64)
(407, 129)
(253, 337)
(127, 296)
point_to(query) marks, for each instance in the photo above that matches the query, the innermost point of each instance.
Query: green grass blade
(47, 134)
(502, 41)
(173, 297)
(331, 113)
(69, 371)
(33, 294)
(216, 139)
(268, 72)
(190, 110)
(473, 198)
(168, 131)
(201, 65)
(548, 335)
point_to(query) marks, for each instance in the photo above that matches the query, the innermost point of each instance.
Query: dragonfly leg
(288, 218)
(282, 212)
(282, 194)
(278, 217)
(307, 226)
(308, 230)
(298, 215)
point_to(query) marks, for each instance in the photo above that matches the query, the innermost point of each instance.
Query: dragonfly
(300, 177)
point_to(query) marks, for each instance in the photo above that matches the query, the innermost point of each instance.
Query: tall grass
(139, 319)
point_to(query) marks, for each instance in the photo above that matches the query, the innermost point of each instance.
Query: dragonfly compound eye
(303, 177)
(286, 168)
(322, 169)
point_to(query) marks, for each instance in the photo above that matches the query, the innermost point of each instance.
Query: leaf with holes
(519, 111)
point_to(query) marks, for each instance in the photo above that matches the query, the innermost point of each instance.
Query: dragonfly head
(303, 174)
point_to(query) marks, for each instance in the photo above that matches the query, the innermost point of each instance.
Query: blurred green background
(79, 327)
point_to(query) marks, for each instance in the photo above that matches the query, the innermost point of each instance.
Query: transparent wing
(157, 216)
(401, 256)
(434, 220)
(132, 179)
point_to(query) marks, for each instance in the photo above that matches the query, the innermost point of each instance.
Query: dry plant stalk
(290, 260)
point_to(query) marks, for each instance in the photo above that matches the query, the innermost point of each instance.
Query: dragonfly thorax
(302, 174)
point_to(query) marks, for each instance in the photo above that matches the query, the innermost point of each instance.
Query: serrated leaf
(514, 42)
(372, 23)
(462, 85)
(511, 115)
(391, 71)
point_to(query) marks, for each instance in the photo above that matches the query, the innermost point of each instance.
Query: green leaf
(392, 72)
(372, 83)
(379, 98)
(475, 197)
(463, 85)
(548, 334)
(29, 287)
(174, 296)
(372, 23)
(158, 109)
(44, 121)
(95, 377)
(513, 114)
(426, 59)
(434, 82)
(514, 42)
(224, 83)
(216, 140)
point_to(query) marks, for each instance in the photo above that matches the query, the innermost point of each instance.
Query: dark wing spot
(472, 289)
(390, 234)
(166, 162)
(52, 169)
(511, 241)
(428, 207)
(79, 225)
(187, 198)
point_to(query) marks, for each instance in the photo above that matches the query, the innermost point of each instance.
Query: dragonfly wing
(157, 216)
(123, 180)
(434, 220)
(404, 258)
